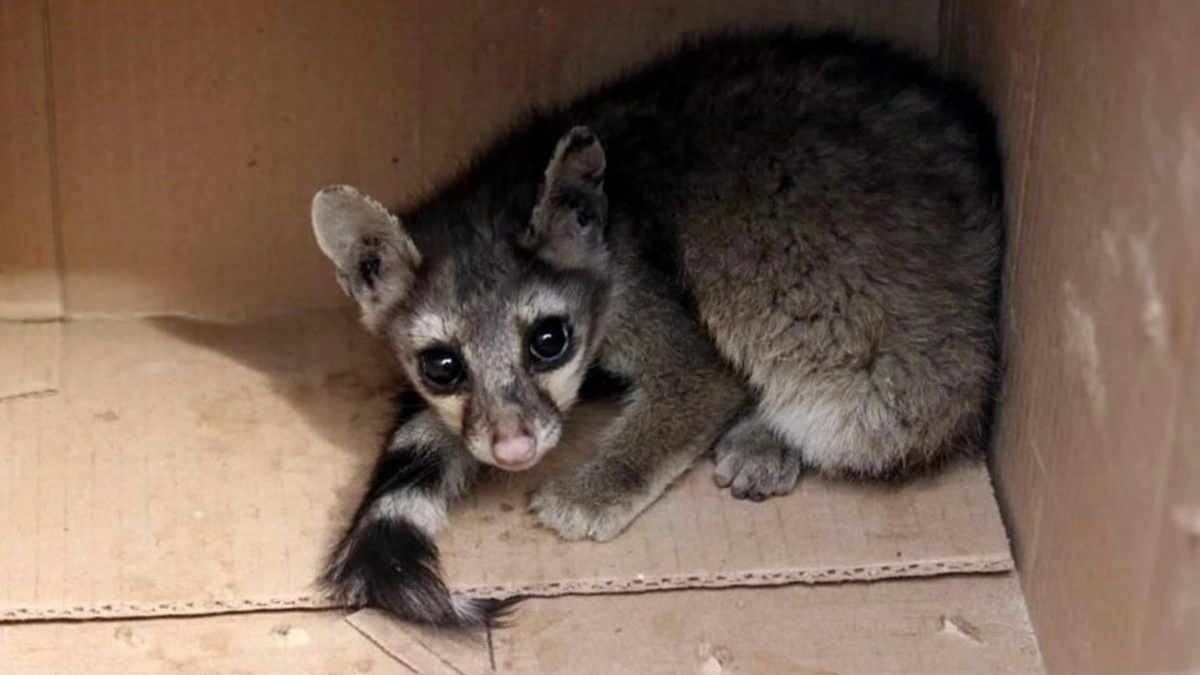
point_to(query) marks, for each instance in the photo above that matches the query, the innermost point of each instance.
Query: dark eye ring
(441, 367)
(550, 340)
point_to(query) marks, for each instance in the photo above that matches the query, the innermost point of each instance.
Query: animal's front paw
(754, 464)
(584, 504)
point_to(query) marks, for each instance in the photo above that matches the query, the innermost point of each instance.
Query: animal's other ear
(572, 210)
(375, 258)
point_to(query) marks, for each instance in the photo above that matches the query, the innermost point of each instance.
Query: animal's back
(833, 208)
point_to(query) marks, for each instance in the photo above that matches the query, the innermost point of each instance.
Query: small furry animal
(786, 244)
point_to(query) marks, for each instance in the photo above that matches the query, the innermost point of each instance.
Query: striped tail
(387, 558)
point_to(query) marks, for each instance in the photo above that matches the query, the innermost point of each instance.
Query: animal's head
(495, 327)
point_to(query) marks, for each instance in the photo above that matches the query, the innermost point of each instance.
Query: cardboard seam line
(413, 653)
(869, 573)
(60, 265)
(34, 393)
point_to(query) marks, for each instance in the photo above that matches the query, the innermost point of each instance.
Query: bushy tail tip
(393, 566)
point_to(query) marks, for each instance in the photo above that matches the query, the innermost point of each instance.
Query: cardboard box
(1095, 451)
(187, 410)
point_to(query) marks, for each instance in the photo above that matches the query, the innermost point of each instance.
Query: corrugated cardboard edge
(972, 565)
(967, 565)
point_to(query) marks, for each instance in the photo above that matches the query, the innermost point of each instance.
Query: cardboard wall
(1099, 421)
(188, 137)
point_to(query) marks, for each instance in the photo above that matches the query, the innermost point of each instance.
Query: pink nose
(513, 450)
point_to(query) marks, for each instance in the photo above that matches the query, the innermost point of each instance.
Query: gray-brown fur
(787, 245)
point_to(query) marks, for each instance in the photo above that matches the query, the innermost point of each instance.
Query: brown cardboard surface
(953, 625)
(1100, 322)
(429, 651)
(29, 358)
(287, 643)
(960, 625)
(174, 477)
(29, 283)
(1168, 636)
(191, 136)
(998, 47)
(193, 468)
(698, 536)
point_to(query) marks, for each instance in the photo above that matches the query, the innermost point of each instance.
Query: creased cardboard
(29, 358)
(425, 650)
(29, 270)
(194, 468)
(1167, 637)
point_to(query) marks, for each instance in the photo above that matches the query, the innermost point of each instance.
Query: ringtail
(785, 244)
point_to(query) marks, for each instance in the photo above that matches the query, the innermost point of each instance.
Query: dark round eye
(441, 367)
(549, 339)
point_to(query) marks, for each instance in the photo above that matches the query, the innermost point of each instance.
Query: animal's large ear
(572, 209)
(375, 258)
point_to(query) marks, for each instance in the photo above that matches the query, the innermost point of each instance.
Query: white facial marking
(538, 302)
(562, 384)
(450, 409)
(547, 436)
(431, 329)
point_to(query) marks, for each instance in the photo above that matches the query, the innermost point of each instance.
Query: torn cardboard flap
(190, 468)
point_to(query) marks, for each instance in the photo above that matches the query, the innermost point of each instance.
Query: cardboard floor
(165, 468)
(949, 625)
